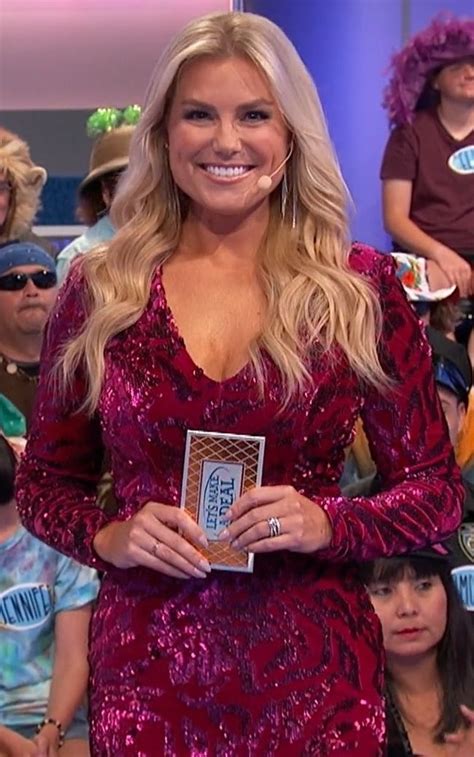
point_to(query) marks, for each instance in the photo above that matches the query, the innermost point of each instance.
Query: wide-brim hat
(439, 551)
(445, 40)
(27, 181)
(109, 153)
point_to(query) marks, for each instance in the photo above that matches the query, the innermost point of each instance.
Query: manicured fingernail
(202, 540)
(199, 573)
(224, 535)
(229, 515)
(204, 565)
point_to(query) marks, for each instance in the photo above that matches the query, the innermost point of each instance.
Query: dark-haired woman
(429, 644)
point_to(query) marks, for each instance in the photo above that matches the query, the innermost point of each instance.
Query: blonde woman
(231, 302)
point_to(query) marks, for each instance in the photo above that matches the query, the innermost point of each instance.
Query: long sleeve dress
(287, 660)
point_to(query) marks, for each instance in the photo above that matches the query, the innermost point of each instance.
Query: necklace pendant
(12, 368)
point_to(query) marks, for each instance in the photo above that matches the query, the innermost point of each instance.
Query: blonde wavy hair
(314, 298)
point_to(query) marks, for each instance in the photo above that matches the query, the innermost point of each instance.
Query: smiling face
(225, 130)
(412, 611)
(456, 81)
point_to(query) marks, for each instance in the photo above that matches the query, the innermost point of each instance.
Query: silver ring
(274, 526)
(154, 548)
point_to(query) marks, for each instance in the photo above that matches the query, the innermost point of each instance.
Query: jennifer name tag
(218, 469)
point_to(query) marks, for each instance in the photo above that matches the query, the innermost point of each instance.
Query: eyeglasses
(5, 187)
(13, 282)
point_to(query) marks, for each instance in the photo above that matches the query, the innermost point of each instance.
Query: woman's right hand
(159, 537)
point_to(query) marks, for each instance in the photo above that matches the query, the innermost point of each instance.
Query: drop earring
(283, 196)
(293, 208)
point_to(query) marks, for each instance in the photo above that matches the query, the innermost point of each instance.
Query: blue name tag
(464, 580)
(462, 161)
(25, 606)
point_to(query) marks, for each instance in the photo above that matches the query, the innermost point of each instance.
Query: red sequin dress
(286, 661)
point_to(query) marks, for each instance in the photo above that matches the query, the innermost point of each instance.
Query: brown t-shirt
(442, 171)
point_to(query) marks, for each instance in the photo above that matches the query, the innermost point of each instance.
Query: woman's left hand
(303, 525)
(462, 742)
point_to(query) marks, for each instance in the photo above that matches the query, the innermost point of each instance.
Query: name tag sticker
(25, 606)
(464, 580)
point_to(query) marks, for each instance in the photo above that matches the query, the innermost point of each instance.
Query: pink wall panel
(75, 54)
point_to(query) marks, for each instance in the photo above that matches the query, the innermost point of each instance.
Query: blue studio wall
(346, 45)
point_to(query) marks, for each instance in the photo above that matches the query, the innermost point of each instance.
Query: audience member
(427, 174)
(45, 608)
(28, 288)
(429, 645)
(21, 182)
(428, 165)
(109, 157)
(453, 376)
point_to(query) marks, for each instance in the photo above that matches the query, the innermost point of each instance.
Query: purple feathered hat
(445, 40)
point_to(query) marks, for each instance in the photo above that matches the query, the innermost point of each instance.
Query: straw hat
(109, 153)
(113, 130)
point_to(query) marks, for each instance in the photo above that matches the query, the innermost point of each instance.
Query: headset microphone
(265, 181)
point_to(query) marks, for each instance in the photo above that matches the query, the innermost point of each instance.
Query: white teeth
(227, 172)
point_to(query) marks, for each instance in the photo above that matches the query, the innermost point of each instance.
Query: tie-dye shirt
(36, 583)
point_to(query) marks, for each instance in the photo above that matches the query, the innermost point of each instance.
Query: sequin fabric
(286, 660)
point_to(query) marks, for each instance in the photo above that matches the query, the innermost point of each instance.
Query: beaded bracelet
(52, 721)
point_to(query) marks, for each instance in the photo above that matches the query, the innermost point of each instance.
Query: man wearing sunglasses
(28, 289)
